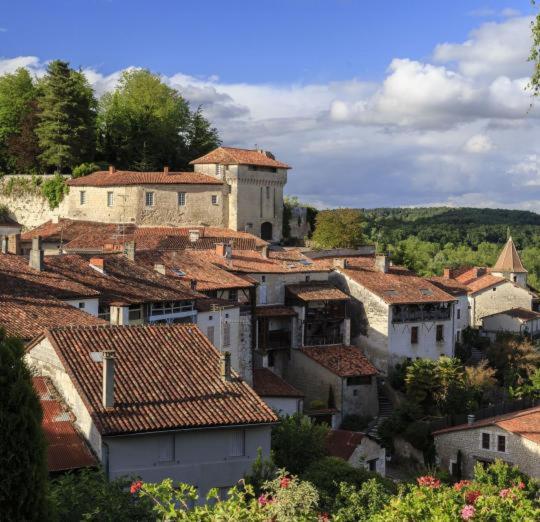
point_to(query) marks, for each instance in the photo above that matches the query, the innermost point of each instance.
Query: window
(267, 192)
(214, 199)
(485, 441)
(82, 305)
(181, 199)
(82, 197)
(104, 312)
(414, 335)
(149, 199)
(372, 464)
(494, 289)
(166, 449)
(440, 333)
(307, 278)
(453, 468)
(233, 295)
(226, 334)
(135, 312)
(238, 441)
(359, 380)
(501, 443)
(170, 307)
(229, 187)
(210, 333)
(263, 279)
(110, 199)
(459, 313)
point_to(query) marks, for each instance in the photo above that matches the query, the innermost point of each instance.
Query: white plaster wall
(200, 457)
(498, 299)
(462, 304)
(284, 405)
(91, 306)
(369, 450)
(43, 360)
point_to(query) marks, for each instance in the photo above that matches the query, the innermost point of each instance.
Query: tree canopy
(340, 228)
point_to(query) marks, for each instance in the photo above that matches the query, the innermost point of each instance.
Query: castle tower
(509, 265)
(256, 180)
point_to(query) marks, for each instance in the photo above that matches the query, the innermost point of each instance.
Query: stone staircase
(385, 411)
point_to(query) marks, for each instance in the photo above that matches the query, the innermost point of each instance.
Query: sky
(373, 103)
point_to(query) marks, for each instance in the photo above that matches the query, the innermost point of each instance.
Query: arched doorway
(266, 231)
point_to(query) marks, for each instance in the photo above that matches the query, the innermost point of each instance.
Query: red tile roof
(478, 278)
(342, 443)
(26, 317)
(450, 286)
(166, 378)
(343, 361)
(267, 384)
(317, 291)
(234, 156)
(18, 278)
(274, 311)
(525, 423)
(66, 449)
(519, 313)
(397, 286)
(104, 178)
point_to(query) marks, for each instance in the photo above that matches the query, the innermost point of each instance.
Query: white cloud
(478, 144)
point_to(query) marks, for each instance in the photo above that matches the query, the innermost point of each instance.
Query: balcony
(279, 339)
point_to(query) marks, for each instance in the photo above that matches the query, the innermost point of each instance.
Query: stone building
(513, 438)
(231, 188)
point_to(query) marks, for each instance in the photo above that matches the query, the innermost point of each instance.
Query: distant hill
(459, 226)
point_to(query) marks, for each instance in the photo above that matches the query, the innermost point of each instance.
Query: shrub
(297, 442)
(262, 471)
(84, 169)
(54, 190)
(353, 504)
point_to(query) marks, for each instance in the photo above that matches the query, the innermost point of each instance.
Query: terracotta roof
(509, 260)
(450, 286)
(66, 449)
(525, 423)
(122, 281)
(274, 311)
(522, 314)
(343, 361)
(17, 278)
(233, 156)
(104, 178)
(397, 286)
(478, 278)
(26, 317)
(342, 443)
(190, 265)
(267, 384)
(167, 377)
(317, 291)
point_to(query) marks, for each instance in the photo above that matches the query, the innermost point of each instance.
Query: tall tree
(17, 107)
(23, 470)
(338, 228)
(143, 124)
(66, 128)
(200, 137)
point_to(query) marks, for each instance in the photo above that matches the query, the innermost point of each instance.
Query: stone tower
(255, 182)
(509, 265)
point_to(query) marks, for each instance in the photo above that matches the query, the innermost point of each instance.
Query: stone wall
(498, 299)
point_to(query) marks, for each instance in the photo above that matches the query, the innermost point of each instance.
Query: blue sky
(398, 103)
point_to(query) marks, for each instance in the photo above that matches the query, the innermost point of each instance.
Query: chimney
(36, 254)
(165, 170)
(129, 250)
(4, 245)
(382, 263)
(193, 284)
(98, 263)
(194, 235)
(228, 251)
(479, 271)
(112, 170)
(226, 366)
(108, 379)
(447, 273)
(264, 251)
(221, 249)
(471, 419)
(159, 268)
(14, 244)
(340, 262)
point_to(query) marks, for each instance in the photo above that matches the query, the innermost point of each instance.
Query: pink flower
(135, 487)
(458, 486)
(429, 482)
(263, 500)
(506, 493)
(323, 517)
(284, 482)
(521, 485)
(467, 512)
(472, 496)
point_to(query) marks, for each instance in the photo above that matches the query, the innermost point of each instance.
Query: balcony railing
(321, 340)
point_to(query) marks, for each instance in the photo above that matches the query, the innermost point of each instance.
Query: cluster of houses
(167, 328)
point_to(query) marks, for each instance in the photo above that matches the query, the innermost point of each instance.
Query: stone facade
(519, 451)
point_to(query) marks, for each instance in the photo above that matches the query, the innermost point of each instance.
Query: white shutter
(237, 443)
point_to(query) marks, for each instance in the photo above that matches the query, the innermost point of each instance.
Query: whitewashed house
(157, 402)
(518, 321)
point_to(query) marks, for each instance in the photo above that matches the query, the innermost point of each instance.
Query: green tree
(338, 229)
(67, 120)
(535, 54)
(422, 382)
(17, 105)
(23, 467)
(199, 138)
(145, 124)
(297, 442)
(84, 169)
